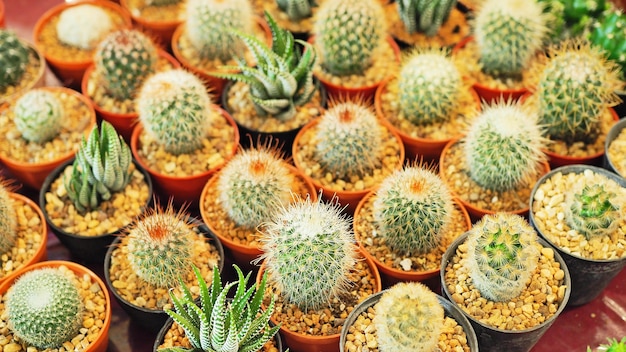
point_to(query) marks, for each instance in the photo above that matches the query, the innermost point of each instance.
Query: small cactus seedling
(14, 56)
(83, 26)
(297, 9)
(408, 317)
(502, 255)
(44, 308)
(592, 211)
(424, 16)
(37, 115)
(8, 219)
(413, 209)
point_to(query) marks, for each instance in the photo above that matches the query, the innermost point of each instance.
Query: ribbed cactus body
(408, 317)
(592, 211)
(8, 220)
(429, 86)
(123, 60)
(502, 255)
(13, 59)
(45, 308)
(347, 33)
(309, 249)
(175, 108)
(37, 115)
(610, 35)
(424, 16)
(83, 26)
(297, 9)
(412, 209)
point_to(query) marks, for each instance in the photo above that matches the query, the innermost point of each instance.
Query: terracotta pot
(161, 31)
(70, 71)
(38, 81)
(34, 174)
(608, 163)
(101, 341)
(123, 122)
(2, 16)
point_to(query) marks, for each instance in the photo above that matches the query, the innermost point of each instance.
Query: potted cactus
(615, 149)
(23, 66)
(158, 18)
(296, 16)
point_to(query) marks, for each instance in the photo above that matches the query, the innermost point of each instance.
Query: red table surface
(574, 330)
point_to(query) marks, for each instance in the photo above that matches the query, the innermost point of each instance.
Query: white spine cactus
(82, 26)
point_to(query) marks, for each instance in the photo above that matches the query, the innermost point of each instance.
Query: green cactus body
(101, 168)
(348, 140)
(579, 15)
(44, 308)
(502, 255)
(408, 317)
(253, 185)
(609, 33)
(94, 23)
(413, 208)
(209, 23)
(509, 33)
(161, 2)
(347, 34)
(123, 60)
(37, 115)
(424, 16)
(8, 220)
(297, 9)
(504, 147)
(592, 211)
(309, 248)
(175, 108)
(13, 59)
(429, 86)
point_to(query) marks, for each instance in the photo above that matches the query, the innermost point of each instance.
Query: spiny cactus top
(123, 60)
(83, 26)
(592, 211)
(502, 255)
(101, 168)
(14, 56)
(37, 115)
(425, 16)
(297, 9)
(45, 308)
(408, 317)
(8, 219)
(218, 325)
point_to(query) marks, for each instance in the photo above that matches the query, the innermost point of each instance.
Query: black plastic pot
(610, 137)
(589, 277)
(88, 249)
(491, 339)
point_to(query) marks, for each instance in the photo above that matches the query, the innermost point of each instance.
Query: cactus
(93, 21)
(429, 86)
(609, 33)
(44, 308)
(309, 249)
(408, 317)
(8, 220)
(612, 346)
(253, 185)
(175, 108)
(209, 23)
(101, 168)
(37, 115)
(509, 33)
(579, 15)
(412, 210)
(592, 211)
(123, 60)
(425, 16)
(217, 325)
(504, 146)
(348, 33)
(297, 9)
(502, 255)
(14, 56)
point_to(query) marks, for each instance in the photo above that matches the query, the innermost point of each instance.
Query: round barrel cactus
(13, 58)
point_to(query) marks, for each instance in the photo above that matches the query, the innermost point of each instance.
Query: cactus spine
(45, 308)
(37, 115)
(347, 33)
(309, 248)
(14, 56)
(592, 211)
(412, 209)
(502, 255)
(424, 16)
(408, 317)
(123, 60)
(8, 220)
(175, 108)
(93, 21)
(297, 9)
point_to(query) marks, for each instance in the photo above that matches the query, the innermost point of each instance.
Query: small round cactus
(408, 317)
(123, 60)
(44, 308)
(37, 115)
(297, 9)
(8, 220)
(424, 16)
(412, 209)
(83, 26)
(14, 56)
(502, 255)
(309, 248)
(175, 108)
(592, 211)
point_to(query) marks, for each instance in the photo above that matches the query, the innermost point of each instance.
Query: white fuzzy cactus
(82, 26)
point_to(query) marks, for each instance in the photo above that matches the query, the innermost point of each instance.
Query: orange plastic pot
(160, 31)
(2, 22)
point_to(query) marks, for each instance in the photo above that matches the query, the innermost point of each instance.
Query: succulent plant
(609, 33)
(612, 346)
(579, 15)
(297, 9)
(37, 115)
(504, 146)
(408, 317)
(218, 325)
(94, 23)
(282, 78)
(8, 219)
(175, 108)
(424, 16)
(412, 210)
(347, 34)
(14, 56)
(592, 211)
(209, 24)
(101, 168)
(502, 255)
(429, 86)
(308, 249)
(44, 308)
(123, 60)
